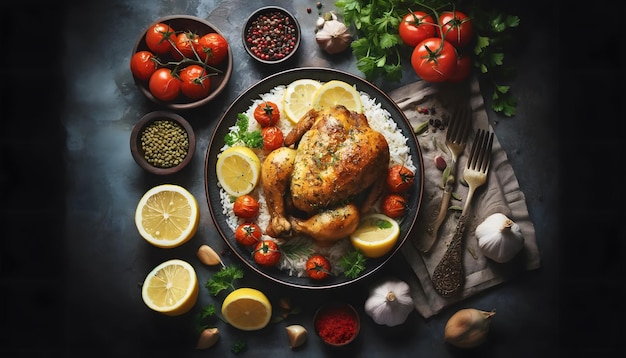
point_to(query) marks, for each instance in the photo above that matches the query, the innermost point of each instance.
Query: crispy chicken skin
(338, 157)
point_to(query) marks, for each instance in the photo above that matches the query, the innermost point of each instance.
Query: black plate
(241, 105)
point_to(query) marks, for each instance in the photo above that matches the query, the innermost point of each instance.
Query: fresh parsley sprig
(240, 134)
(353, 263)
(224, 279)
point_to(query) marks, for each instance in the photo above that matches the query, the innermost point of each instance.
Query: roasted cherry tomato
(212, 48)
(163, 85)
(248, 234)
(394, 205)
(185, 44)
(272, 138)
(246, 206)
(267, 113)
(196, 83)
(318, 267)
(416, 27)
(142, 66)
(434, 60)
(457, 28)
(399, 178)
(266, 253)
(463, 68)
(158, 38)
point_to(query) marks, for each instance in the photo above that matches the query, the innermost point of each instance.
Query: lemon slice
(238, 170)
(171, 288)
(337, 92)
(298, 98)
(376, 235)
(247, 309)
(167, 216)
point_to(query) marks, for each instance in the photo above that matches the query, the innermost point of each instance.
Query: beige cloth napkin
(501, 194)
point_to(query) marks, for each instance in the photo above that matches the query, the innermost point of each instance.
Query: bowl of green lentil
(162, 142)
(271, 35)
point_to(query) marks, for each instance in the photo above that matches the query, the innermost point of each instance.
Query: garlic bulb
(468, 328)
(390, 302)
(333, 37)
(499, 238)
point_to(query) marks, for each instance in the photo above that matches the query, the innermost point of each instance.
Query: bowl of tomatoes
(181, 62)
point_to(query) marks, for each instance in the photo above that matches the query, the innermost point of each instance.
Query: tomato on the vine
(196, 83)
(272, 138)
(248, 234)
(434, 60)
(246, 206)
(457, 28)
(185, 44)
(415, 27)
(142, 65)
(463, 68)
(266, 253)
(317, 267)
(164, 85)
(394, 205)
(399, 178)
(212, 48)
(266, 113)
(158, 38)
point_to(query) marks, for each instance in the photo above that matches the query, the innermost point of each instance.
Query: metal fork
(448, 275)
(456, 137)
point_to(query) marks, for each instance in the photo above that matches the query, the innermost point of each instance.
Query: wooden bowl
(200, 27)
(274, 58)
(138, 152)
(329, 321)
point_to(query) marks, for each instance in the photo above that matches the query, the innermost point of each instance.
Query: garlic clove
(297, 335)
(208, 256)
(208, 338)
(468, 328)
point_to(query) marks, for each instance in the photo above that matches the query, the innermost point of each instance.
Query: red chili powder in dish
(336, 325)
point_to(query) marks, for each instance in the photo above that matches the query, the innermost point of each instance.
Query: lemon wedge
(238, 170)
(376, 235)
(171, 288)
(337, 92)
(298, 98)
(167, 216)
(247, 309)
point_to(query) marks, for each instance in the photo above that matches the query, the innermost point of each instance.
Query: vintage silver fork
(456, 137)
(448, 274)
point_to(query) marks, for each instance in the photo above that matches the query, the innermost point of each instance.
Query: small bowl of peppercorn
(337, 324)
(271, 35)
(162, 142)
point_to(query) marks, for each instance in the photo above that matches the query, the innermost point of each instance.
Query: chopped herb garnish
(241, 134)
(224, 279)
(352, 263)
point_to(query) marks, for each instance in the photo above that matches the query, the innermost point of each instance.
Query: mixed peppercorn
(272, 36)
(165, 143)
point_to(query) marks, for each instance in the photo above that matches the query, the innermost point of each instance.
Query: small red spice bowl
(279, 26)
(337, 324)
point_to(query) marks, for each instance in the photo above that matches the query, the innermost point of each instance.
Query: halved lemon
(247, 309)
(171, 288)
(238, 170)
(298, 98)
(376, 235)
(337, 92)
(167, 216)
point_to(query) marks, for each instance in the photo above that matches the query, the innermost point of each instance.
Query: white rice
(302, 247)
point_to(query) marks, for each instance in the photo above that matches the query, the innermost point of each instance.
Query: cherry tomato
(196, 83)
(434, 60)
(163, 85)
(400, 178)
(185, 42)
(158, 38)
(142, 66)
(415, 27)
(317, 267)
(246, 207)
(212, 48)
(463, 68)
(267, 113)
(394, 205)
(248, 234)
(272, 138)
(457, 28)
(266, 253)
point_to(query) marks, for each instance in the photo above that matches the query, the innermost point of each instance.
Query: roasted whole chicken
(331, 169)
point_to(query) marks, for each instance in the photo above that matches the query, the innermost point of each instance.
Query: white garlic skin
(333, 37)
(499, 238)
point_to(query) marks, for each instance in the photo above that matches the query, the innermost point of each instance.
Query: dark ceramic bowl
(330, 322)
(138, 152)
(277, 23)
(185, 23)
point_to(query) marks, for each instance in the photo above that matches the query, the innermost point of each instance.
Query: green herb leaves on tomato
(457, 28)
(416, 27)
(212, 48)
(196, 83)
(266, 253)
(266, 113)
(248, 234)
(317, 267)
(160, 37)
(434, 60)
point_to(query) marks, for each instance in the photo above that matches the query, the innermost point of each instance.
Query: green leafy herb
(383, 224)
(239, 347)
(352, 263)
(240, 134)
(208, 311)
(224, 279)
